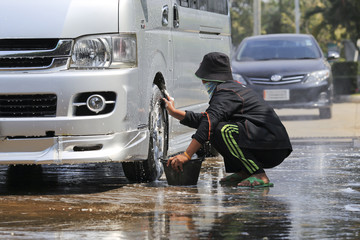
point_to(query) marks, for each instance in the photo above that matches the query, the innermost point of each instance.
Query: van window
(193, 3)
(203, 5)
(184, 3)
(216, 6)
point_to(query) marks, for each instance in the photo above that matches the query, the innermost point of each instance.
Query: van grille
(39, 105)
(27, 44)
(34, 54)
(24, 62)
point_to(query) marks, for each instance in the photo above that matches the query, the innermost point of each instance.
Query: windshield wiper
(307, 58)
(265, 59)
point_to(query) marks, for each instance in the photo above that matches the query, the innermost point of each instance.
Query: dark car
(287, 70)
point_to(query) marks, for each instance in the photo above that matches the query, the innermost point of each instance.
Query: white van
(82, 80)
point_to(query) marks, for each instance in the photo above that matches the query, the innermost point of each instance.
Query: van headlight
(105, 51)
(318, 77)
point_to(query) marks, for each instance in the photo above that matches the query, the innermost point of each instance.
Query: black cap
(215, 67)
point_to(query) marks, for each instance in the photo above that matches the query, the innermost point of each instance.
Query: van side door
(187, 54)
(199, 27)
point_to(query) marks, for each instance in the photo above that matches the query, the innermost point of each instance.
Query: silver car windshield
(278, 49)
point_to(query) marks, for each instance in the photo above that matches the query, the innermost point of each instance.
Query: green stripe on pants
(227, 135)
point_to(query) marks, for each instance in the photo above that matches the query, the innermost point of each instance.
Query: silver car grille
(284, 80)
(34, 54)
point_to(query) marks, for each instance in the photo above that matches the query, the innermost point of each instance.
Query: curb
(352, 142)
(347, 98)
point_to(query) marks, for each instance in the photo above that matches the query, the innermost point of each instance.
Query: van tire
(152, 169)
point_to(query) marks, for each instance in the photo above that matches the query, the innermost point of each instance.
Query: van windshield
(278, 49)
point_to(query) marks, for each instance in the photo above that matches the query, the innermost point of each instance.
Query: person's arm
(193, 147)
(178, 160)
(170, 107)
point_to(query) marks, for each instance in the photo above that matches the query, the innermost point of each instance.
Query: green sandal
(254, 179)
(233, 178)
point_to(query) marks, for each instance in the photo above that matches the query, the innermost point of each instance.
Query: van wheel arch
(159, 81)
(152, 169)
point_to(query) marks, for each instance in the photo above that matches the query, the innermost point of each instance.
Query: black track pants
(225, 141)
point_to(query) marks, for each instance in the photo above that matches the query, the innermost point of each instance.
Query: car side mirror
(333, 55)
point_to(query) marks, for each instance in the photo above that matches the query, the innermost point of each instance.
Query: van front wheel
(152, 169)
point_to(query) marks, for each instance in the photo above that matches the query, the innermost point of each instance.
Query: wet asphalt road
(316, 196)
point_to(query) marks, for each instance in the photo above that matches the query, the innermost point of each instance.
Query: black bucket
(189, 175)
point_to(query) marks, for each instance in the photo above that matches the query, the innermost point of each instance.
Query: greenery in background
(327, 20)
(242, 20)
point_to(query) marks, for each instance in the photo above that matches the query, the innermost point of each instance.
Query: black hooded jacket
(235, 103)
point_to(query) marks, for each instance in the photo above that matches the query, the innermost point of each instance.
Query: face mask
(210, 87)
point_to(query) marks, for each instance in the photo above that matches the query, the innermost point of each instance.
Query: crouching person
(240, 125)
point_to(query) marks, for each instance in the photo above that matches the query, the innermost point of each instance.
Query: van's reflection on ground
(316, 195)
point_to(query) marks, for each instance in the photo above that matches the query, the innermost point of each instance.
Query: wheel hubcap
(158, 132)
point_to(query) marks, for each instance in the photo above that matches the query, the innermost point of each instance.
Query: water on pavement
(316, 196)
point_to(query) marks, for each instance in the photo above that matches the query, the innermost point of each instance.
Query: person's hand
(177, 162)
(170, 107)
(169, 104)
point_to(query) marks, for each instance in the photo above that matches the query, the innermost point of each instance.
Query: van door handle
(165, 15)
(176, 16)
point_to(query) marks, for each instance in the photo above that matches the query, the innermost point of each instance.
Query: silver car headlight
(239, 78)
(318, 77)
(105, 51)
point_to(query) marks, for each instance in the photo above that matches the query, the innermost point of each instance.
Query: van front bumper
(120, 135)
(118, 147)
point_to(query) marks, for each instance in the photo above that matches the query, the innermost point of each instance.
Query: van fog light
(95, 103)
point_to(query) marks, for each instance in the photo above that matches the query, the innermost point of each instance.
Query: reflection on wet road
(316, 196)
